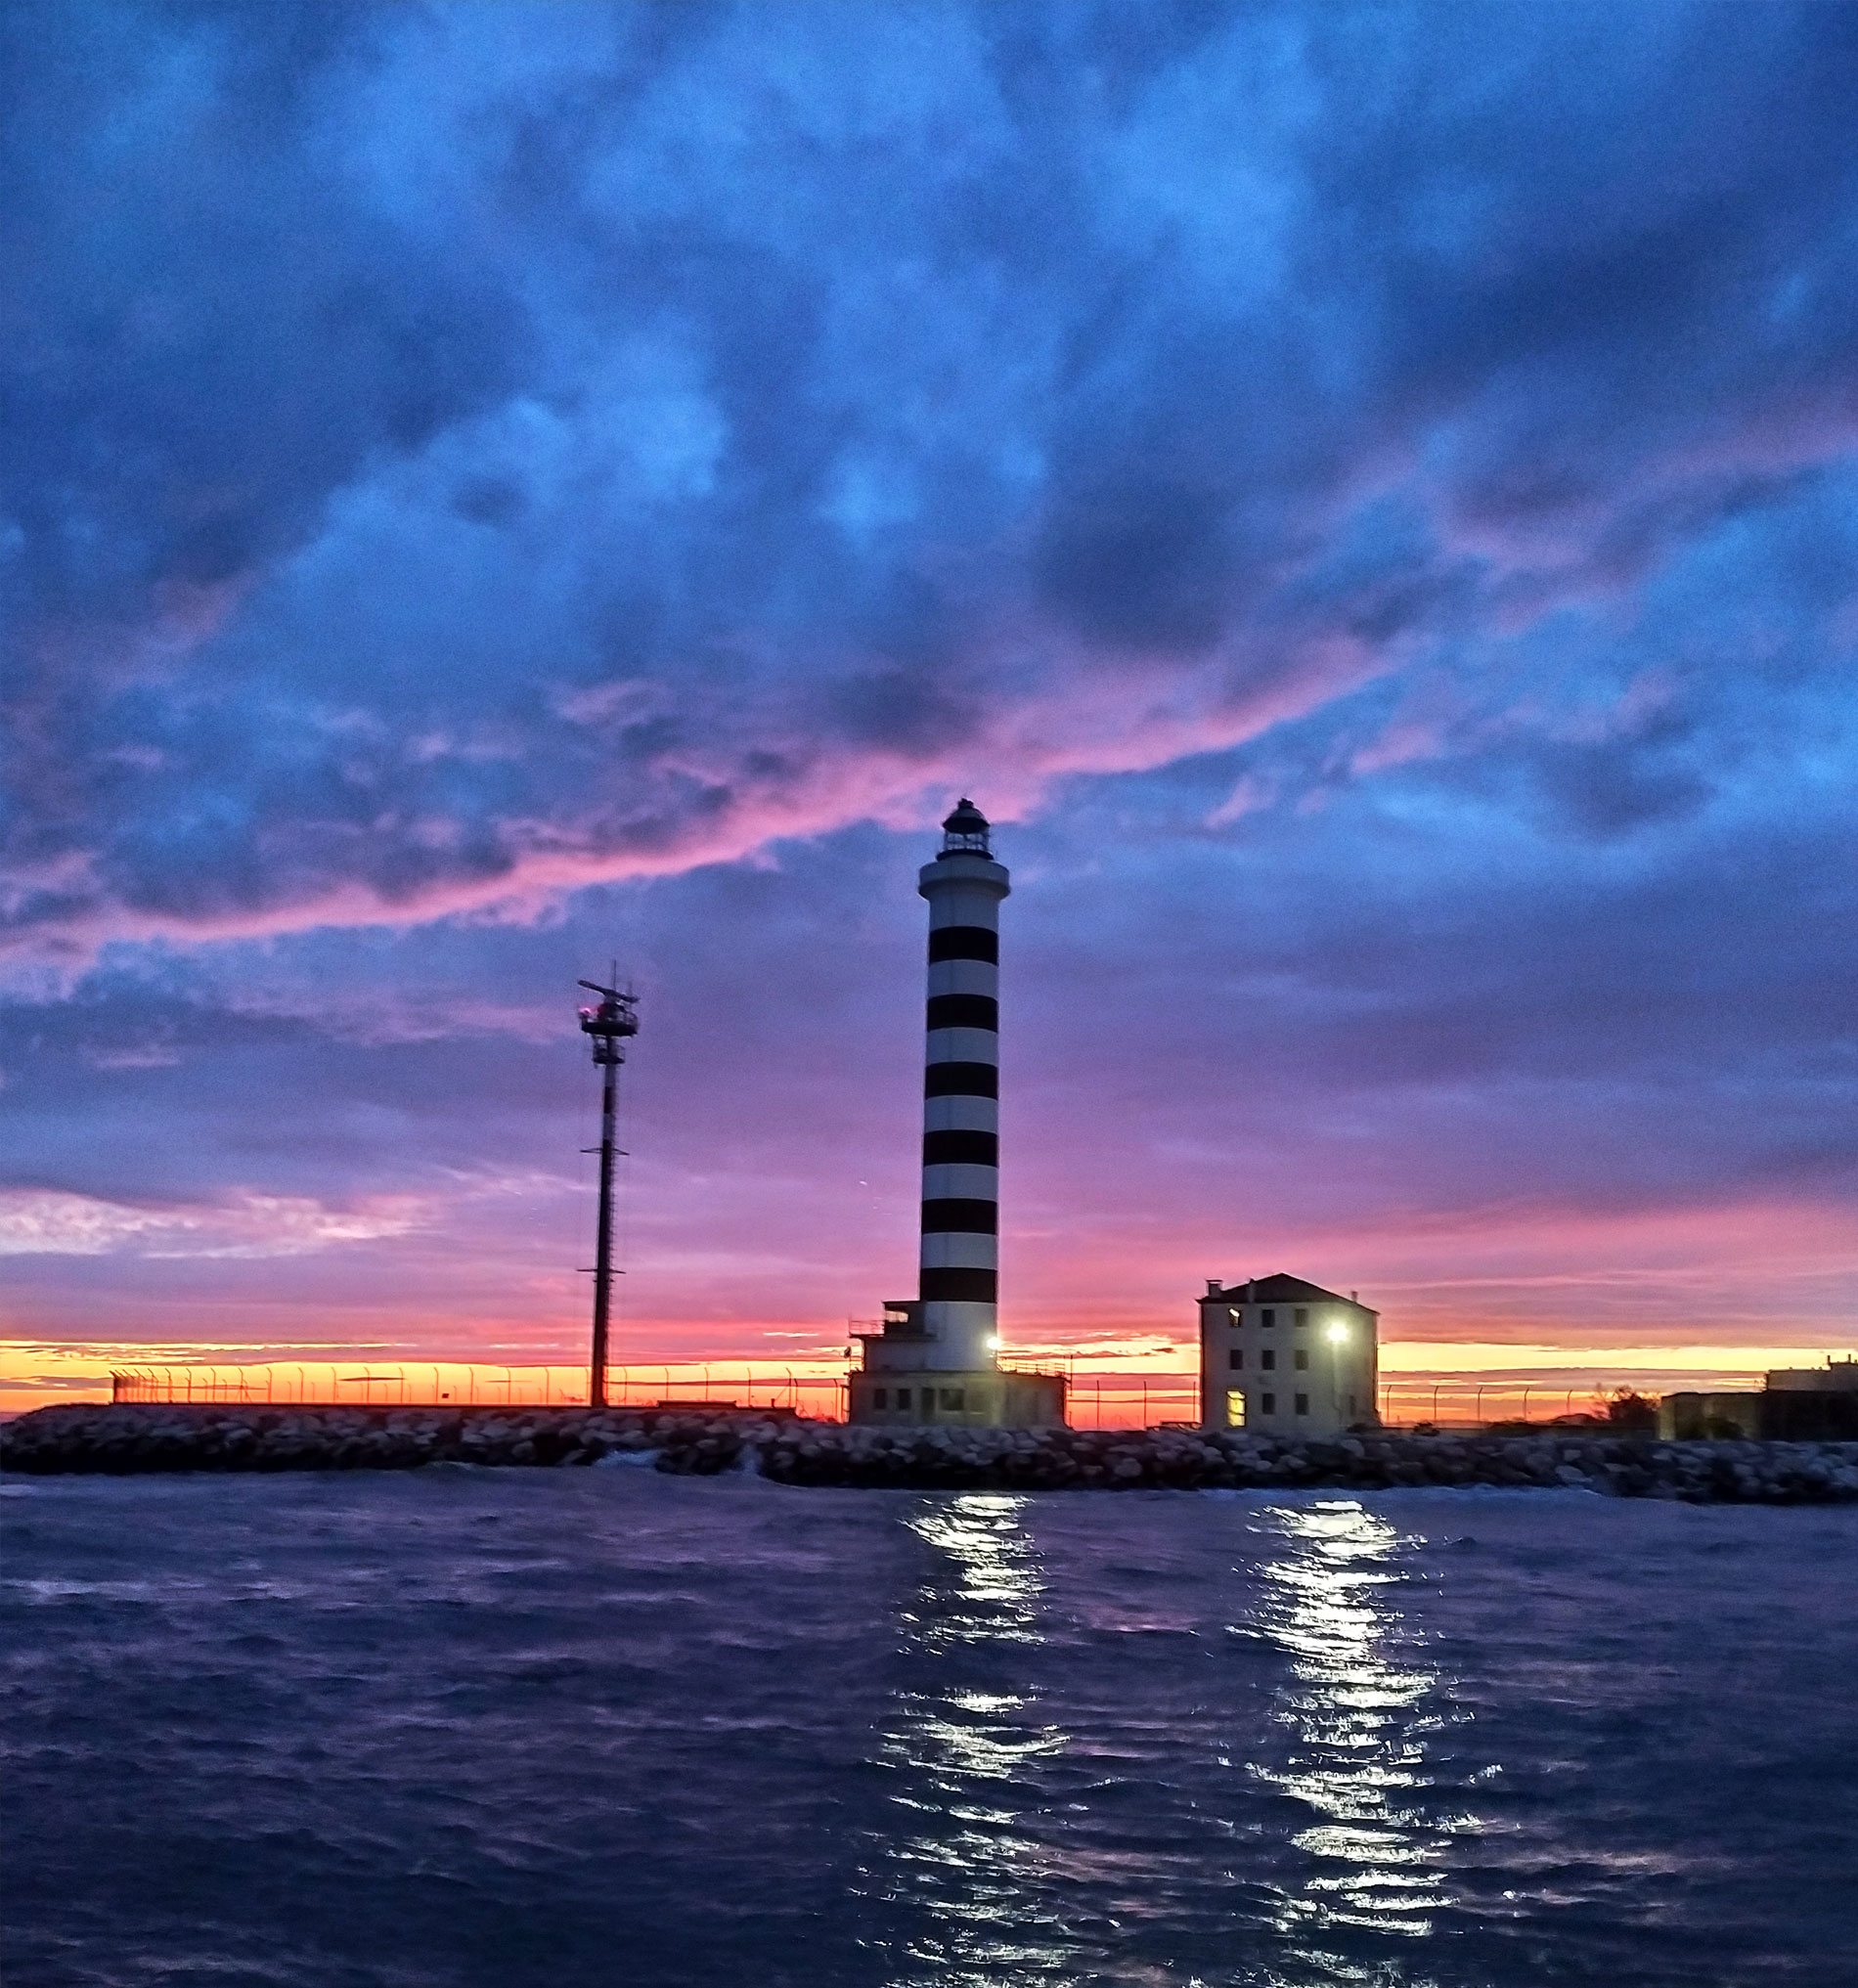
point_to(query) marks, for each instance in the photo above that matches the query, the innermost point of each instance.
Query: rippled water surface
(501, 1728)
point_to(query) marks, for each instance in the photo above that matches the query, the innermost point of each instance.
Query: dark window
(1302, 1315)
(1302, 1404)
(963, 1011)
(881, 1397)
(903, 1397)
(955, 1216)
(964, 942)
(1268, 1359)
(953, 1397)
(1268, 1402)
(1299, 1359)
(960, 1149)
(961, 1286)
(1267, 1316)
(962, 1079)
(1236, 1359)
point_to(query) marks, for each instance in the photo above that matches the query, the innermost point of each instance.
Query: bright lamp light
(1337, 1335)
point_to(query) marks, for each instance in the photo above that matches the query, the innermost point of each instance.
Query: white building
(1286, 1356)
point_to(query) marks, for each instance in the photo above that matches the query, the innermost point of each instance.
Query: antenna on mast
(606, 1027)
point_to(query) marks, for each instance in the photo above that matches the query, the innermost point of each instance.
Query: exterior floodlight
(1337, 1335)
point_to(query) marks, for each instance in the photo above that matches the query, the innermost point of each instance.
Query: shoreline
(137, 1439)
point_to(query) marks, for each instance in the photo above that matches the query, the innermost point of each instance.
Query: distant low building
(1284, 1355)
(1811, 1404)
(1723, 1415)
(1796, 1404)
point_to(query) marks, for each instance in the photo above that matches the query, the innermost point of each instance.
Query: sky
(1365, 498)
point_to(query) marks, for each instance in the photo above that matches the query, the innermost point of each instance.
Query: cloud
(448, 482)
(255, 1227)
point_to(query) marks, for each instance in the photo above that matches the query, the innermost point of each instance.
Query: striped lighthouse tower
(934, 1361)
(960, 1106)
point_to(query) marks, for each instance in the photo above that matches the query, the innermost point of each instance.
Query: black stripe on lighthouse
(964, 942)
(965, 1011)
(960, 1214)
(962, 1079)
(961, 1287)
(960, 1149)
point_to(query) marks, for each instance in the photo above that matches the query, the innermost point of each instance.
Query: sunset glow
(1388, 584)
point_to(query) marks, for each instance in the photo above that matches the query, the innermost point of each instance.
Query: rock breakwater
(131, 1438)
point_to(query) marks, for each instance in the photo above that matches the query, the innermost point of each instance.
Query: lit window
(881, 1397)
(1302, 1404)
(1235, 1359)
(1267, 1404)
(1235, 1407)
(1299, 1359)
(1268, 1359)
(1232, 1314)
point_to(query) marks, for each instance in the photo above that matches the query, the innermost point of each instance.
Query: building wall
(1280, 1368)
(1696, 1417)
(916, 1397)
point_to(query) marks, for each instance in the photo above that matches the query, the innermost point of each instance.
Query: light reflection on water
(965, 1756)
(1359, 1709)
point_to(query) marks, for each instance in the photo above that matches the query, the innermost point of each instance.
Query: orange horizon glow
(1113, 1381)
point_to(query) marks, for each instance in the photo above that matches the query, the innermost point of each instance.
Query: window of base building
(1267, 1404)
(953, 1397)
(1302, 1314)
(881, 1397)
(1235, 1359)
(1301, 1361)
(1268, 1359)
(903, 1397)
(1302, 1404)
(1235, 1407)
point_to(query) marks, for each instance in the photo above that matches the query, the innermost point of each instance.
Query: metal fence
(482, 1385)
(1104, 1398)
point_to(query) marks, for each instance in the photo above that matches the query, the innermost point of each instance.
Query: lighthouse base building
(896, 1386)
(1284, 1357)
(936, 1360)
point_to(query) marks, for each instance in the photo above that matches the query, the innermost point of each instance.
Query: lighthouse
(936, 1360)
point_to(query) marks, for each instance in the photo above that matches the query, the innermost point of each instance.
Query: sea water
(586, 1727)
